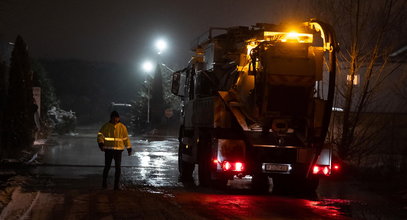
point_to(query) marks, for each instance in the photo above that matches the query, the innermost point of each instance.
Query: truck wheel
(185, 169)
(204, 160)
(207, 177)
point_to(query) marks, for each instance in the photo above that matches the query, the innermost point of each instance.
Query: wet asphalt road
(75, 162)
(152, 163)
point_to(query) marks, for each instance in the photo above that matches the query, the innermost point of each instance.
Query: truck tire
(206, 173)
(185, 168)
(204, 160)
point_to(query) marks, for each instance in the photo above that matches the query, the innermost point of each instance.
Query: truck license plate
(276, 167)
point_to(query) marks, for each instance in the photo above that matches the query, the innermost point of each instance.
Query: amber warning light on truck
(283, 37)
(289, 37)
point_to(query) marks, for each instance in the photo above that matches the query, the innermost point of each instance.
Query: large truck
(257, 102)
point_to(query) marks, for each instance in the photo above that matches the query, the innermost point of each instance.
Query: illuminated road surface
(70, 187)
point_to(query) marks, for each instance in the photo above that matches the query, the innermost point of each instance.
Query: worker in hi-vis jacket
(113, 139)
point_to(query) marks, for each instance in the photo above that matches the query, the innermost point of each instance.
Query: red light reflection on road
(218, 206)
(328, 207)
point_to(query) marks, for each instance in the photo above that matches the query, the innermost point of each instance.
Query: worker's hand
(101, 146)
(129, 151)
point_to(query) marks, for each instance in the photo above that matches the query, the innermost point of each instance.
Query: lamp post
(148, 68)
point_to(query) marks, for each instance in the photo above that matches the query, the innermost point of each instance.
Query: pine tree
(48, 94)
(139, 113)
(18, 121)
(157, 99)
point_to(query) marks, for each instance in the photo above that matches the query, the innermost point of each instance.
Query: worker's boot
(116, 181)
(104, 184)
(116, 186)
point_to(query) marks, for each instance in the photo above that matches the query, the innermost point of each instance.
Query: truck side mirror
(178, 81)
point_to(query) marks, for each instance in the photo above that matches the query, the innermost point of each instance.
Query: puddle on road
(332, 208)
(156, 159)
(222, 206)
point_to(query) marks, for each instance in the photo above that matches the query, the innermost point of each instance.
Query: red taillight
(238, 166)
(326, 171)
(316, 169)
(215, 161)
(336, 167)
(321, 169)
(228, 166)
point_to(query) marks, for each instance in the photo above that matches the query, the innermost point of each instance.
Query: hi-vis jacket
(114, 136)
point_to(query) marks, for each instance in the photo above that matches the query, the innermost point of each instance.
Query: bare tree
(401, 87)
(368, 31)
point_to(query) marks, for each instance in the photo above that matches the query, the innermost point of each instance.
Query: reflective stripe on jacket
(114, 136)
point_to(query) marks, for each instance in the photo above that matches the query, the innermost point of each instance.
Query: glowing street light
(161, 45)
(147, 67)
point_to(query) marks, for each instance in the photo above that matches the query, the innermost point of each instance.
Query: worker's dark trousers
(109, 155)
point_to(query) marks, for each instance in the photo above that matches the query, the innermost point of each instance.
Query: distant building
(391, 94)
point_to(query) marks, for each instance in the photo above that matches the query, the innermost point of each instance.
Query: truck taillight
(321, 169)
(325, 171)
(228, 166)
(315, 170)
(238, 166)
(336, 167)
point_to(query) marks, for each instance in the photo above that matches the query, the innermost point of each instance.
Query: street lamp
(160, 45)
(148, 68)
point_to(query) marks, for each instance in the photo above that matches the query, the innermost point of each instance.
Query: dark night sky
(123, 31)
